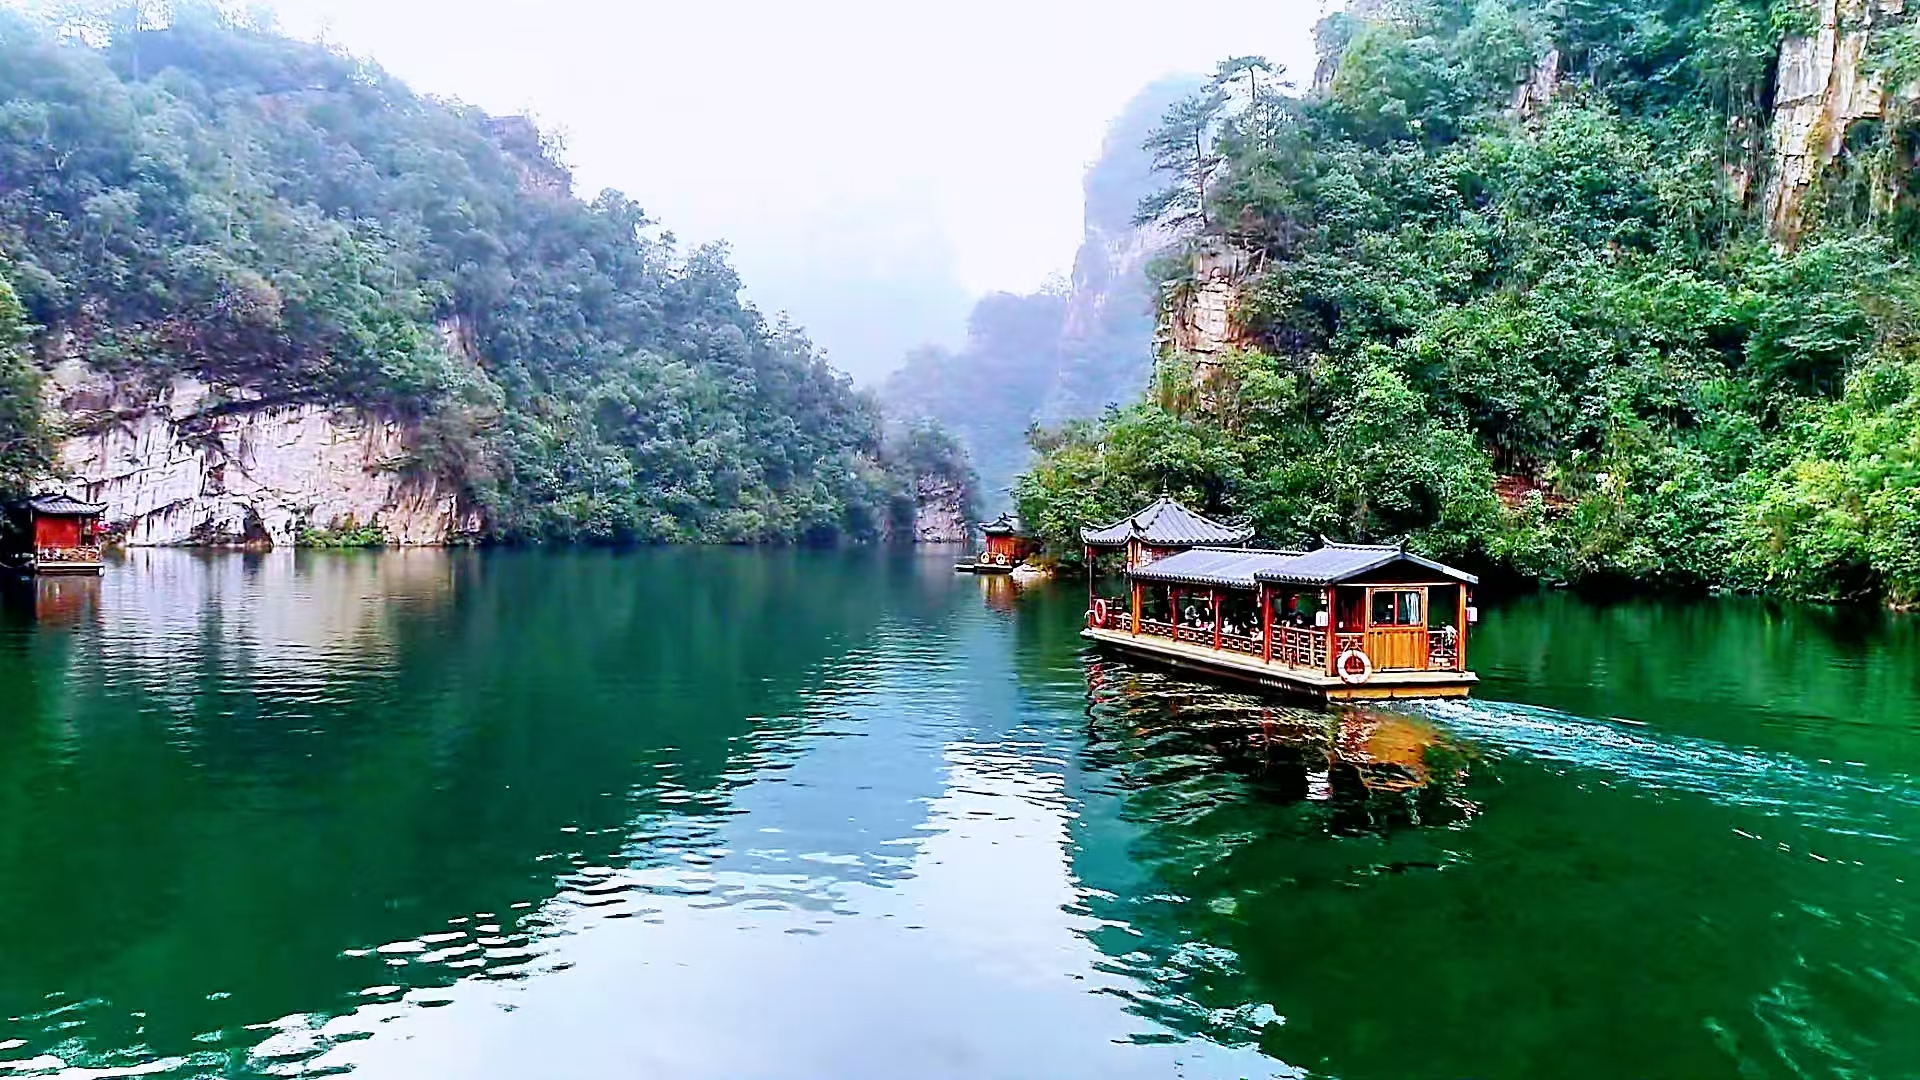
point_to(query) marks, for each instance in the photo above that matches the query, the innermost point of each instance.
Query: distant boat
(1008, 545)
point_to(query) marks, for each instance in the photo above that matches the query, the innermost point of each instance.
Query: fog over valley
(874, 167)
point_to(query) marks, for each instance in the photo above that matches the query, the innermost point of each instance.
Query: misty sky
(874, 165)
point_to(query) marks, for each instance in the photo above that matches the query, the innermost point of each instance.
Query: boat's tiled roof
(63, 504)
(1334, 563)
(1166, 523)
(1004, 525)
(1232, 568)
(1244, 568)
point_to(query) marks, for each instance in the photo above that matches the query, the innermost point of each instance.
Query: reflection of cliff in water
(307, 758)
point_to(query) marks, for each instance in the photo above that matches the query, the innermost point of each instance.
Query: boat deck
(973, 567)
(1383, 685)
(74, 568)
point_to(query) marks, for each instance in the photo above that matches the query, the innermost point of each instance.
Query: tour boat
(1008, 545)
(1341, 622)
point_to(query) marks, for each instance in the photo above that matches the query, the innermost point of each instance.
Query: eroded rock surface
(188, 466)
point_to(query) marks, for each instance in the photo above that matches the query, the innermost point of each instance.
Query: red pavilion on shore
(54, 534)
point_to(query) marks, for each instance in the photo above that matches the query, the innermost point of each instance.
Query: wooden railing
(1241, 643)
(1195, 635)
(1293, 646)
(68, 555)
(1300, 647)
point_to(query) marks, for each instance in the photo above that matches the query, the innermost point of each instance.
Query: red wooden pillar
(1330, 597)
(1216, 619)
(1460, 646)
(1266, 624)
(1090, 590)
(1173, 610)
(1136, 609)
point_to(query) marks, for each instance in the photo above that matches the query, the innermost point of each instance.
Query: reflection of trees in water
(1227, 797)
(249, 759)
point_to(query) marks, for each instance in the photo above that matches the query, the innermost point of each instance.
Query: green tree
(24, 447)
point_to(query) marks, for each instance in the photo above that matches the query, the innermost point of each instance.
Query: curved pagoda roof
(1004, 525)
(1166, 523)
(1333, 563)
(1230, 568)
(57, 505)
(1245, 568)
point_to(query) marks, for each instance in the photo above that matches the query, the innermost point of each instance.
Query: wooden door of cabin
(1397, 629)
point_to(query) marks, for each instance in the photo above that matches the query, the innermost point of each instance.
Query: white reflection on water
(887, 893)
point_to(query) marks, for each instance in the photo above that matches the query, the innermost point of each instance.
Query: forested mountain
(285, 226)
(1066, 351)
(1569, 289)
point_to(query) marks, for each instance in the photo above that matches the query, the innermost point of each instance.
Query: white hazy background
(873, 166)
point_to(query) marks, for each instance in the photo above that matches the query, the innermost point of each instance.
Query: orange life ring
(1101, 614)
(1342, 668)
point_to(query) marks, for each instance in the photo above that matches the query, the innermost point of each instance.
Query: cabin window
(1352, 608)
(1396, 608)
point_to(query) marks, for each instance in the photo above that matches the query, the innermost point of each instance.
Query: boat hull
(981, 568)
(1382, 686)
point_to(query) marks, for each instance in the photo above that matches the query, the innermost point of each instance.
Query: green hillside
(290, 224)
(1517, 281)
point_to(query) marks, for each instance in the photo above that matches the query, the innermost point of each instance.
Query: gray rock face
(190, 467)
(1105, 350)
(1822, 88)
(1200, 321)
(940, 512)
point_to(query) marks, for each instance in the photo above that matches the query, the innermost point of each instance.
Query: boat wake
(1842, 798)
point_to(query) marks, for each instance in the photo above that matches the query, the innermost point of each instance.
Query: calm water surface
(751, 814)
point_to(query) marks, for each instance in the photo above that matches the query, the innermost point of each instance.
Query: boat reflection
(1001, 591)
(1226, 839)
(62, 603)
(1375, 770)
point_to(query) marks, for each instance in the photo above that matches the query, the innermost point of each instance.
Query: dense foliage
(23, 441)
(1545, 332)
(186, 196)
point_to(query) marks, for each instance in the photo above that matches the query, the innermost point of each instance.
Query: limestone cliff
(1823, 87)
(189, 466)
(1104, 353)
(1199, 319)
(940, 511)
(1066, 352)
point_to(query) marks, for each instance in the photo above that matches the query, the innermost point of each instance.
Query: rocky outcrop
(940, 511)
(189, 466)
(1537, 91)
(1104, 353)
(1823, 87)
(1200, 318)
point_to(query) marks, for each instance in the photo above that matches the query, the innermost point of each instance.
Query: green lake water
(727, 813)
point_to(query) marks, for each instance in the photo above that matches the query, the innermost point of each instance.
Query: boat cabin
(1008, 545)
(55, 534)
(1340, 622)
